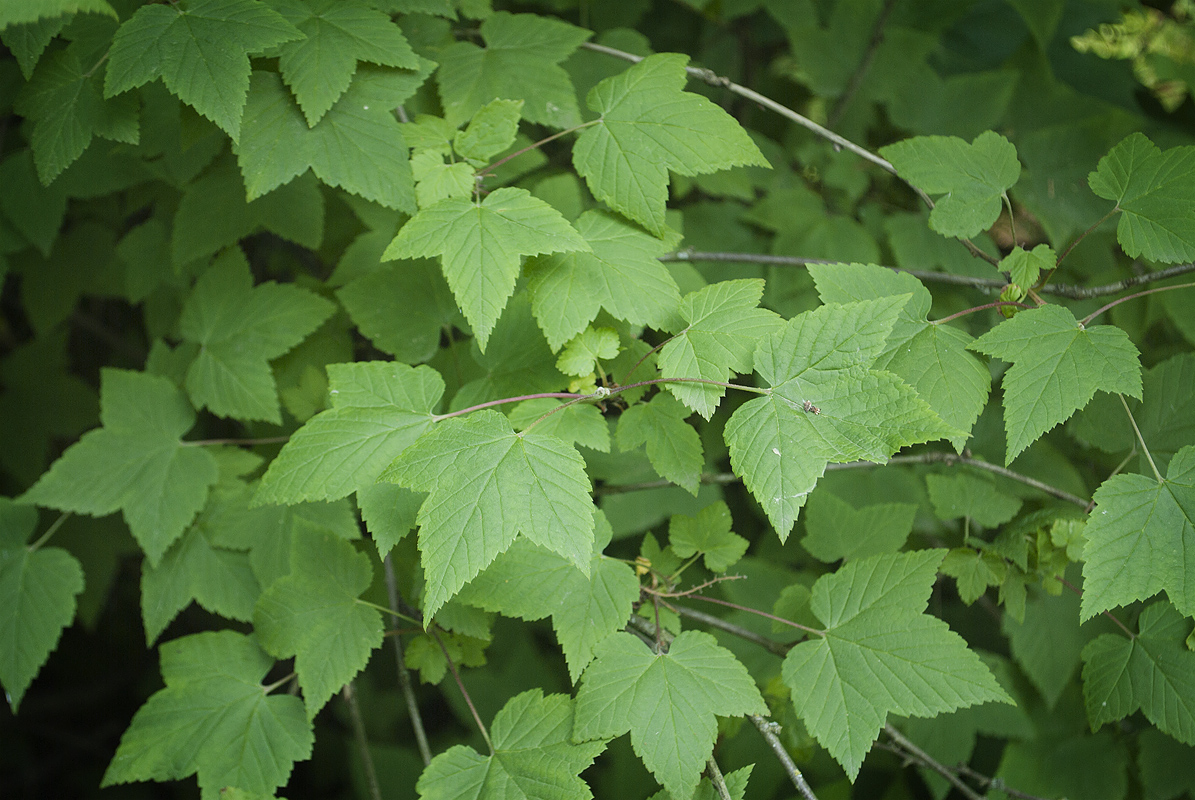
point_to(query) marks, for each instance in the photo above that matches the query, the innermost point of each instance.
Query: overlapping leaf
(479, 245)
(1057, 366)
(378, 409)
(722, 327)
(836, 529)
(1141, 539)
(403, 308)
(673, 445)
(200, 50)
(826, 405)
(15, 13)
(313, 615)
(135, 463)
(707, 533)
(239, 328)
(214, 719)
(668, 701)
(649, 126)
(880, 655)
(1155, 192)
(534, 757)
(486, 485)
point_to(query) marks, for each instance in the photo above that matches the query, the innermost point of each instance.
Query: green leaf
(15, 12)
(403, 309)
(480, 245)
(521, 61)
(620, 273)
(579, 423)
(1025, 267)
(378, 409)
(313, 615)
(529, 582)
(66, 103)
(1153, 671)
(835, 529)
(974, 571)
(825, 405)
(357, 145)
(29, 40)
(389, 512)
(215, 719)
(962, 495)
(973, 177)
(722, 329)
(492, 130)
(200, 50)
(1057, 366)
(534, 757)
(135, 463)
(673, 445)
(582, 354)
(1155, 193)
(38, 588)
(487, 484)
(339, 33)
(707, 533)
(668, 702)
(239, 328)
(436, 181)
(1046, 643)
(1167, 768)
(880, 655)
(1141, 539)
(649, 126)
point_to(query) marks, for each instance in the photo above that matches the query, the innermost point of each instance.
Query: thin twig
(1157, 289)
(239, 442)
(714, 478)
(1106, 612)
(759, 613)
(485, 734)
(50, 531)
(915, 753)
(779, 648)
(769, 730)
(404, 676)
(995, 783)
(1144, 448)
(350, 697)
(716, 778)
(856, 79)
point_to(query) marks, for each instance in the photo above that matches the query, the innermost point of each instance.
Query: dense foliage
(423, 397)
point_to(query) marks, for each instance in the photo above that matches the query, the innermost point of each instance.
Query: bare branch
(371, 775)
(770, 645)
(914, 753)
(404, 677)
(770, 730)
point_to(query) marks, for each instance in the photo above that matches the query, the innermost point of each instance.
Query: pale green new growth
(707, 533)
(1026, 266)
(492, 130)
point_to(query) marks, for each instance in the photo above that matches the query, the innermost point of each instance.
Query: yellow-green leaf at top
(15, 12)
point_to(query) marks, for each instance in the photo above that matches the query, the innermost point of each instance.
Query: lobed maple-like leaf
(707, 533)
(1141, 539)
(1057, 366)
(673, 445)
(648, 126)
(1155, 193)
(402, 308)
(239, 328)
(1154, 672)
(214, 719)
(668, 701)
(533, 757)
(200, 49)
(578, 423)
(963, 495)
(486, 485)
(378, 409)
(134, 463)
(826, 405)
(880, 654)
(491, 130)
(1026, 266)
(722, 327)
(313, 615)
(479, 245)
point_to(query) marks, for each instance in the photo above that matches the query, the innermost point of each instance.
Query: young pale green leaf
(1155, 193)
(339, 33)
(835, 529)
(200, 50)
(521, 61)
(620, 273)
(276, 143)
(479, 245)
(579, 423)
(403, 309)
(37, 594)
(1057, 366)
(436, 181)
(974, 571)
(492, 130)
(214, 719)
(488, 484)
(313, 615)
(1026, 266)
(1141, 539)
(582, 354)
(239, 328)
(673, 445)
(534, 757)
(963, 495)
(649, 126)
(530, 582)
(15, 12)
(135, 463)
(973, 177)
(668, 701)
(723, 326)
(379, 408)
(707, 533)
(1154, 672)
(825, 406)
(931, 358)
(880, 655)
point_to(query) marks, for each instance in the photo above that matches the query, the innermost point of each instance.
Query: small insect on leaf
(810, 408)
